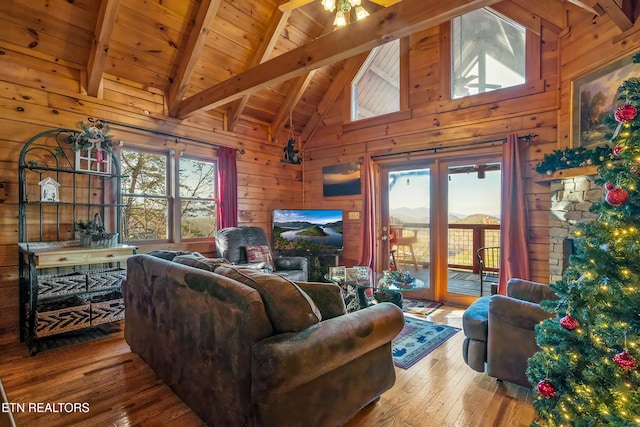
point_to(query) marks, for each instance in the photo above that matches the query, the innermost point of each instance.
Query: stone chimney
(571, 198)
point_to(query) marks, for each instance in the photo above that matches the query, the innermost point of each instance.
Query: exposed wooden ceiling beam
(270, 37)
(394, 22)
(100, 47)
(191, 52)
(590, 6)
(349, 69)
(294, 94)
(617, 14)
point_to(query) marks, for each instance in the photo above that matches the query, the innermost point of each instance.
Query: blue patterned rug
(417, 339)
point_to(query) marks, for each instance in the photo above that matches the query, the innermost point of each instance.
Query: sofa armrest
(290, 263)
(327, 297)
(283, 362)
(514, 313)
(527, 290)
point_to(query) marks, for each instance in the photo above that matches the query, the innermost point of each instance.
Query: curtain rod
(526, 138)
(170, 135)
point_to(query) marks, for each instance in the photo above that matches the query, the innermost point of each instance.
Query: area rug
(417, 339)
(419, 307)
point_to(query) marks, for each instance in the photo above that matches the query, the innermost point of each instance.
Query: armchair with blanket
(237, 244)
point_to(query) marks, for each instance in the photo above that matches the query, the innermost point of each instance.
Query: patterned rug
(417, 339)
(419, 307)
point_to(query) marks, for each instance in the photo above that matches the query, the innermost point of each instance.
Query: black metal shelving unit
(58, 278)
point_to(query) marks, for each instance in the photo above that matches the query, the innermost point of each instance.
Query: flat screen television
(317, 230)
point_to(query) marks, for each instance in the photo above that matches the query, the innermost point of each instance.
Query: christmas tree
(586, 373)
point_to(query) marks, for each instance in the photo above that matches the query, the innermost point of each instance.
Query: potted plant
(93, 233)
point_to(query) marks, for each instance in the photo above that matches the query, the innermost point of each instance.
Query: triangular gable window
(376, 88)
(488, 52)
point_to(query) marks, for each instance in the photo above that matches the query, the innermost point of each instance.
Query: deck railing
(464, 242)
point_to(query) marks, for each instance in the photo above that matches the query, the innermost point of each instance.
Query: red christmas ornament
(617, 197)
(609, 186)
(617, 149)
(625, 113)
(625, 361)
(569, 322)
(546, 389)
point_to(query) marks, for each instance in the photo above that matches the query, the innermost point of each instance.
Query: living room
(191, 80)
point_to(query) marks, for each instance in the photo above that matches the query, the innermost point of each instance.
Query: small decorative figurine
(291, 154)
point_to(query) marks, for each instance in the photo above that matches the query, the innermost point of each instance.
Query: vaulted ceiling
(265, 61)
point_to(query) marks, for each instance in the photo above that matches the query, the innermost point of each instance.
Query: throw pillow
(201, 262)
(262, 253)
(289, 307)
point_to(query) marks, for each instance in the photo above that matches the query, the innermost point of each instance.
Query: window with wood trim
(197, 197)
(167, 197)
(488, 52)
(375, 90)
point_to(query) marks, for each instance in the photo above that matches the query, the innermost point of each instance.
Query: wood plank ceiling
(252, 60)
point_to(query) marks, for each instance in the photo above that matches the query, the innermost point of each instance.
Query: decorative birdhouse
(49, 190)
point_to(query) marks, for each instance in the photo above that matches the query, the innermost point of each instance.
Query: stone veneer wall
(570, 202)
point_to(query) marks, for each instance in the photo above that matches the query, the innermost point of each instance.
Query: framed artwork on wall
(341, 180)
(595, 95)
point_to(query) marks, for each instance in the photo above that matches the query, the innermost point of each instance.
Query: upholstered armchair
(500, 336)
(249, 246)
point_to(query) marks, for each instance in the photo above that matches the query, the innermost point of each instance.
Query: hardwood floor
(121, 390)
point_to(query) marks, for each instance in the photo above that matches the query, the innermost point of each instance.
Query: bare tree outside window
(144, 189)
(147, 187)
(197, 180)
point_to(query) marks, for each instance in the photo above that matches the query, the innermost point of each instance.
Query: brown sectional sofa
(245, 348)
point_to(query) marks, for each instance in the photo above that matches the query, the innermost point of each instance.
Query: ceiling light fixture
(344, 8)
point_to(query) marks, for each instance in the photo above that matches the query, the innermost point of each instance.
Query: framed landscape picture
(594, 97)
(341, 180)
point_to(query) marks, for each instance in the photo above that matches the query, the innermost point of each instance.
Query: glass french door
(406, 216)
(473, 227)
(436, 215)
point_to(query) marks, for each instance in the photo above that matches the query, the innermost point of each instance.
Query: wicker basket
(105, 279)
(107, 308)
(53, 285)
(56, 317)
(98, 240)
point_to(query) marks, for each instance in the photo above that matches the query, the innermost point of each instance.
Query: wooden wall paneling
(588, 46)
(28, 71)
(115, 92)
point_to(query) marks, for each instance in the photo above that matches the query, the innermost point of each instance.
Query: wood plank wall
(37, 95)
(541, 107)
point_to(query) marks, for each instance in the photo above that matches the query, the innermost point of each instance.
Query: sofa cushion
(289, 307)
(260, 254)
(198, 261)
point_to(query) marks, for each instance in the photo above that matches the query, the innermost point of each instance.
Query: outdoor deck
(460, 281)
(464, 242)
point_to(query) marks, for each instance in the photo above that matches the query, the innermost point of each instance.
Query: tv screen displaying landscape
(306, 229)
